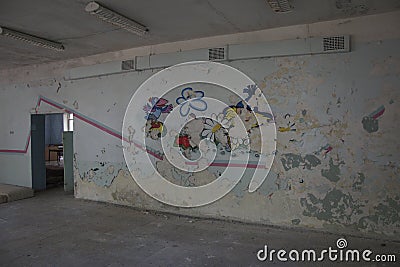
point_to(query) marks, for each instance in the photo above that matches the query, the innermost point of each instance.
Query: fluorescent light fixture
(280, 6)
(30, 39)
(115, 19)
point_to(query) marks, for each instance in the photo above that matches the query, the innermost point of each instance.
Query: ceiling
(67, 22)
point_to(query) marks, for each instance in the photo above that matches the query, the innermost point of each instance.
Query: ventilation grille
(334, 43)
(216, 53)
(280, 6)
(128, 64)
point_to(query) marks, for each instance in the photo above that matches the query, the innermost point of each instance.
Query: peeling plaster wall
(337, 161)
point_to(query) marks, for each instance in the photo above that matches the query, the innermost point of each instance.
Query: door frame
(38, 163)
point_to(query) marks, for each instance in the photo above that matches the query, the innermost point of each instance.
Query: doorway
(52, 151)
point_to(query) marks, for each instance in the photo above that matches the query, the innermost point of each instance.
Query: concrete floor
(54, 229)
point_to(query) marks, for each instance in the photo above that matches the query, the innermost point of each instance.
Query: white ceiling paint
(168, 21)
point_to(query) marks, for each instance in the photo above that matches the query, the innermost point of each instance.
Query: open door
(37, 151)
(51, 152)
(68, 162)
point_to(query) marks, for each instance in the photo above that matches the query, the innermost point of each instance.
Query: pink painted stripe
(329, 149)
(104, 129)
(380, 113)
(38, 104)
(20, 151)
(240, 165)
(190, 163)
(149, 151)
(50, 103)
(98, 126)
(222, 164)
(86, 120)
(154, 154)
(12, 151)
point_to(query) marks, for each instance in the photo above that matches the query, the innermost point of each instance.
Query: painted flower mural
(156, 106)
(210, 127)
(154, 128)
(223, 129)
(191, 99)
(216, 131)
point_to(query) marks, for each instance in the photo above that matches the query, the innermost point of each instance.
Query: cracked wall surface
(330, 173)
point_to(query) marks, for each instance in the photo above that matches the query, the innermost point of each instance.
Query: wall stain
(370, 123)
(59, 87)
(358, 181)
(291, 160)
(335, 207)
(75, 104)
(305, 199)
(386, 213)
(296, 221)
(333, 173)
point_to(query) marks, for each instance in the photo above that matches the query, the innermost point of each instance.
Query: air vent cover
(216, 54)
(334, 43)
(128, 64)
(280, 6)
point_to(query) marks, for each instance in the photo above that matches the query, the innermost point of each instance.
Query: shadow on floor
(55, 229)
